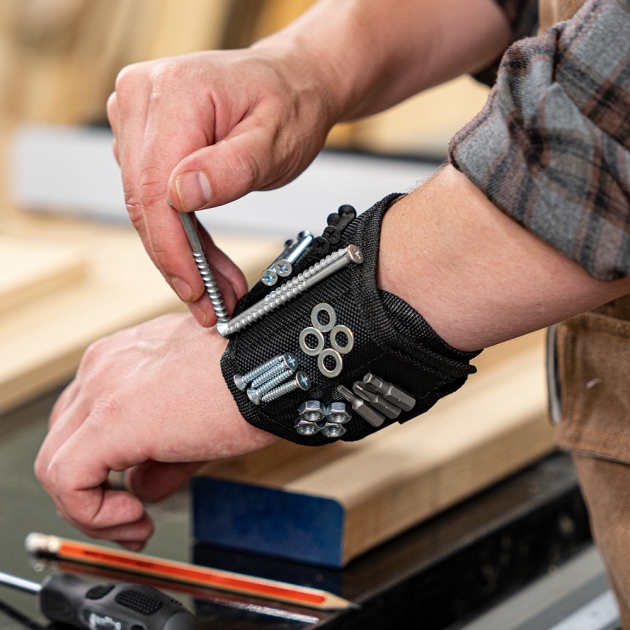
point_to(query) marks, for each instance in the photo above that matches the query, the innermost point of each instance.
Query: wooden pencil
(97, 555)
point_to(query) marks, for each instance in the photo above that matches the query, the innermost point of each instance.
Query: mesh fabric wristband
(391, 340)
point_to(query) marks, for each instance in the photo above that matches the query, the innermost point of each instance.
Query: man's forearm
(476, 275)
(369, 54)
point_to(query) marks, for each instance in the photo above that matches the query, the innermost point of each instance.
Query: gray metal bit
(389, 392)
(301, 283)
(378, 402)
(204, 268)
(361, 407)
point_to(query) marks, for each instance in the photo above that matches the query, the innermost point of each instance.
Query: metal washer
(312, 352)
(338, 363)
(326, 308)
(333, 339)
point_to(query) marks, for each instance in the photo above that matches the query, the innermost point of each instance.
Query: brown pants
(593, 365)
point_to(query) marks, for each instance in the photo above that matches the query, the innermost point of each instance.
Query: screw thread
(269, 374)
(303, 281)
(263, 367)
(211, 286)
(280, 391)
(270, 384)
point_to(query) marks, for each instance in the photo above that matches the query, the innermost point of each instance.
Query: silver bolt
(204, 268)
(301, 381)
(288, 362)
(298, 285)
(241, 381)
(255, 395)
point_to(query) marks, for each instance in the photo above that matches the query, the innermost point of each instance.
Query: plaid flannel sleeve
(551, 147)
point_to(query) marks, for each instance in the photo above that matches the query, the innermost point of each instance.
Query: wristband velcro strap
(391, 340)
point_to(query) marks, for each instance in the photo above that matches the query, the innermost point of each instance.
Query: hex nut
(332, 430)
(312, 411)
(304, 427)
(338, 414)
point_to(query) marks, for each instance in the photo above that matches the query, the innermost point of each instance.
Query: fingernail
(199, 314)
(193, 190)
(183, 289)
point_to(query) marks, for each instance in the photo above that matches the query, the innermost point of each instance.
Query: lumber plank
(29, 270)
(41, 342)
(405, 474)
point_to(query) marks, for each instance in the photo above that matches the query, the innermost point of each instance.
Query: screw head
(222, 328)
(269, 277)
(332, 430)
(303, 427)
(290, 360)
(283, 268)
(346, 210)
(254, 396)
(356, 255)
(239, 382)
(312, 411)
(338, 414)
(303, 380)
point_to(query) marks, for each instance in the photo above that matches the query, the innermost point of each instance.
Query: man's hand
(202, 130)
(150, 400)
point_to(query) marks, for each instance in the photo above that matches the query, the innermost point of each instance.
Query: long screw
(204, 268)
(256, 395)
(301, 283)
(241, 381)
(301, 381)
(289, 362)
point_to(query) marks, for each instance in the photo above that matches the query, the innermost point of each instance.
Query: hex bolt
(241, 381)
(204, 268)
(376, 400)
(389, 392)
(332, 430)
(301, 381)
(338, 414)
(303, 427)
(291, 289)
(361, 407)
(255, 395)
(288, 362)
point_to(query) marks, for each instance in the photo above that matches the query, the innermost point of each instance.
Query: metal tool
(332, 430)
(241, 381)
(204, 268)
(65, 598)
(284, 265)
(376, 400)
(309, 414)
(298, 285)
(338, 413)
(269, 276)
(361, 407)
(304, 427)
(287, 362)
(256, 395)
(389, 392)
(301, 381)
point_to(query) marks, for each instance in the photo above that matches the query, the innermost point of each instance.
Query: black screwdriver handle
(68, 599)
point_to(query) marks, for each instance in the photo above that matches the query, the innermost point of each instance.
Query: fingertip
(135, 546)
(204, 319)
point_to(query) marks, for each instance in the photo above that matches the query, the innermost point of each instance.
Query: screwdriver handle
(68, 599)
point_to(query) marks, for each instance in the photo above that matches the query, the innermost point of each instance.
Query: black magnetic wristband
(389, 343)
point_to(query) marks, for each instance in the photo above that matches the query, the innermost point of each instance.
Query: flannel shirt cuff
(551, 147)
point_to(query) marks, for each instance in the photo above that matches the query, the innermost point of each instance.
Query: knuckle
(128, 78)
(250, 167)
(152, 187)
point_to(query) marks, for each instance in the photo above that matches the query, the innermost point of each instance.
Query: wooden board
(41, 341)
(29, 270)
(372, 490)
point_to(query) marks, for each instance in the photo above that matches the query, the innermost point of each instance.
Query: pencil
(183, 572)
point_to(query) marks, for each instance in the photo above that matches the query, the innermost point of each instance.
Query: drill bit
(202, 264)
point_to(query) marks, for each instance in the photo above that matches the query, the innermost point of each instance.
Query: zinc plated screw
(301, 381)
(269, 275)
(298, 285)
(241, 381)
(204, 268)
(288, 362)
(284, 265)
(256, 395)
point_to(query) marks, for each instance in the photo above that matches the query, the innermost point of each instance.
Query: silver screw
(288, 362)
(256, 395)
(204, 268)
(301, 381)
(241, 381)
(269, 276)
(284, 265)
(298, 285)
